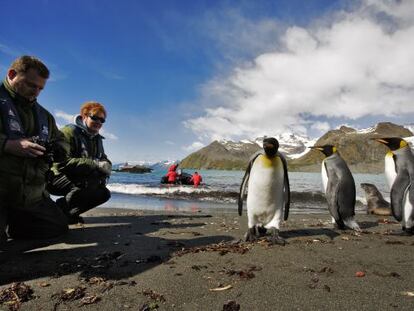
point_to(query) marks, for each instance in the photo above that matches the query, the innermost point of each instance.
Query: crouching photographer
(26, 209)
(81, 179)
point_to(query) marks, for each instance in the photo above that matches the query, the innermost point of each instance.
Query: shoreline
(303, 203)
(165, 260)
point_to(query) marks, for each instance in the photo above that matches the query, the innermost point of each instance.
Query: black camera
(49, 154)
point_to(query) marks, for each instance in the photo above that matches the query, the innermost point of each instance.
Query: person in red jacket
(172, 174)
(196, 179)
(172, 167)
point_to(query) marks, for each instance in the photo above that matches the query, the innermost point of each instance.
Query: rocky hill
(362, 154)
(222, 155)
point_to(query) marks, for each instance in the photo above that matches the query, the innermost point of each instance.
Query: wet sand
(143, 260)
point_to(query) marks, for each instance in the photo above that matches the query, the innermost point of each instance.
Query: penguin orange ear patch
(403, 144)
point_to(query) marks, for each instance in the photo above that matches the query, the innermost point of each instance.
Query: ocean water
(219, 191)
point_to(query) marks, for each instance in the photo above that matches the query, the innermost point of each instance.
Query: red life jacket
(196, 178)
(172, 167)
(172, 176)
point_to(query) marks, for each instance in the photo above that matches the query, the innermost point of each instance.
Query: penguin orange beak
(380, 140)
(317, 148)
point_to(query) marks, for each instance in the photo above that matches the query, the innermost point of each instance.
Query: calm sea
(220, 190)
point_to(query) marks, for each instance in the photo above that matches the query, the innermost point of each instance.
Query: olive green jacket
(86, 150)
(23, 180)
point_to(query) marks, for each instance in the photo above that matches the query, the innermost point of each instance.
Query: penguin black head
(327, 150)
(270, 146)
(393, 143)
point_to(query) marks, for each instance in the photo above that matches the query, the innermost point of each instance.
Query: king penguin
(339, 187)
(268, 194)
(399, 172)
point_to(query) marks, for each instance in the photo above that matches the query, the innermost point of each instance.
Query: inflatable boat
(183, 179)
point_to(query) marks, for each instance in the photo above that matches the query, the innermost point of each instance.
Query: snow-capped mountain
(355, 145)
(226, 154)
(290, 144)
(163, 164)
(410, 127)
(237, 146)
(150, 164)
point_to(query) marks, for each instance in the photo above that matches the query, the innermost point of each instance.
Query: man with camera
(27, 133)
(81, 179)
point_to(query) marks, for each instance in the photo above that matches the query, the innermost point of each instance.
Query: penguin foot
(250, 235)
(352, 224)
(276, 238)
(337, 226)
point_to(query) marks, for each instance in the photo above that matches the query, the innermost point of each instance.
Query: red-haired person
(27, 131)
(82, 178)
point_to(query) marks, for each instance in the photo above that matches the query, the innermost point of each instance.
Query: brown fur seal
(375, 201)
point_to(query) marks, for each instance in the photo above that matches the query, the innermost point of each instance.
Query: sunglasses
(97, 119)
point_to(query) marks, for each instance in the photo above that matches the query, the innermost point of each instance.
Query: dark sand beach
(135, 260)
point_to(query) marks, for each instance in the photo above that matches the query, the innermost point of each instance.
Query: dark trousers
(44, 220)
(39, 221)
(78, 198)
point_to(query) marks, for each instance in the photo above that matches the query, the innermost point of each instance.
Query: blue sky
(174, 75)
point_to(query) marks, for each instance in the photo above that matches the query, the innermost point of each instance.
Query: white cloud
(169, 142)
(111, 75)
(358, 65)
(108, 135)
(56, 76)
(9, 50)
(236, 35)
(69, 118)
(321, 126)
(194, 146)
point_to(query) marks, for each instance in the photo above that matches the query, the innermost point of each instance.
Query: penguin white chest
(265, 188)
(390, 173)
(324, 174)
(408, 215)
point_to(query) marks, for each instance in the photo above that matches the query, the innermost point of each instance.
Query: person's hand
(105, 167)
(24, 148)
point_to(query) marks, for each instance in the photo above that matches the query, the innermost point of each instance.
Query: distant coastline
(136, 169)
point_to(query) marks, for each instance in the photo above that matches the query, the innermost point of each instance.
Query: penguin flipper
(346, 197)
(286, 188)
(332, 198)
(398, 192)
(243, 186)
(242, 191)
